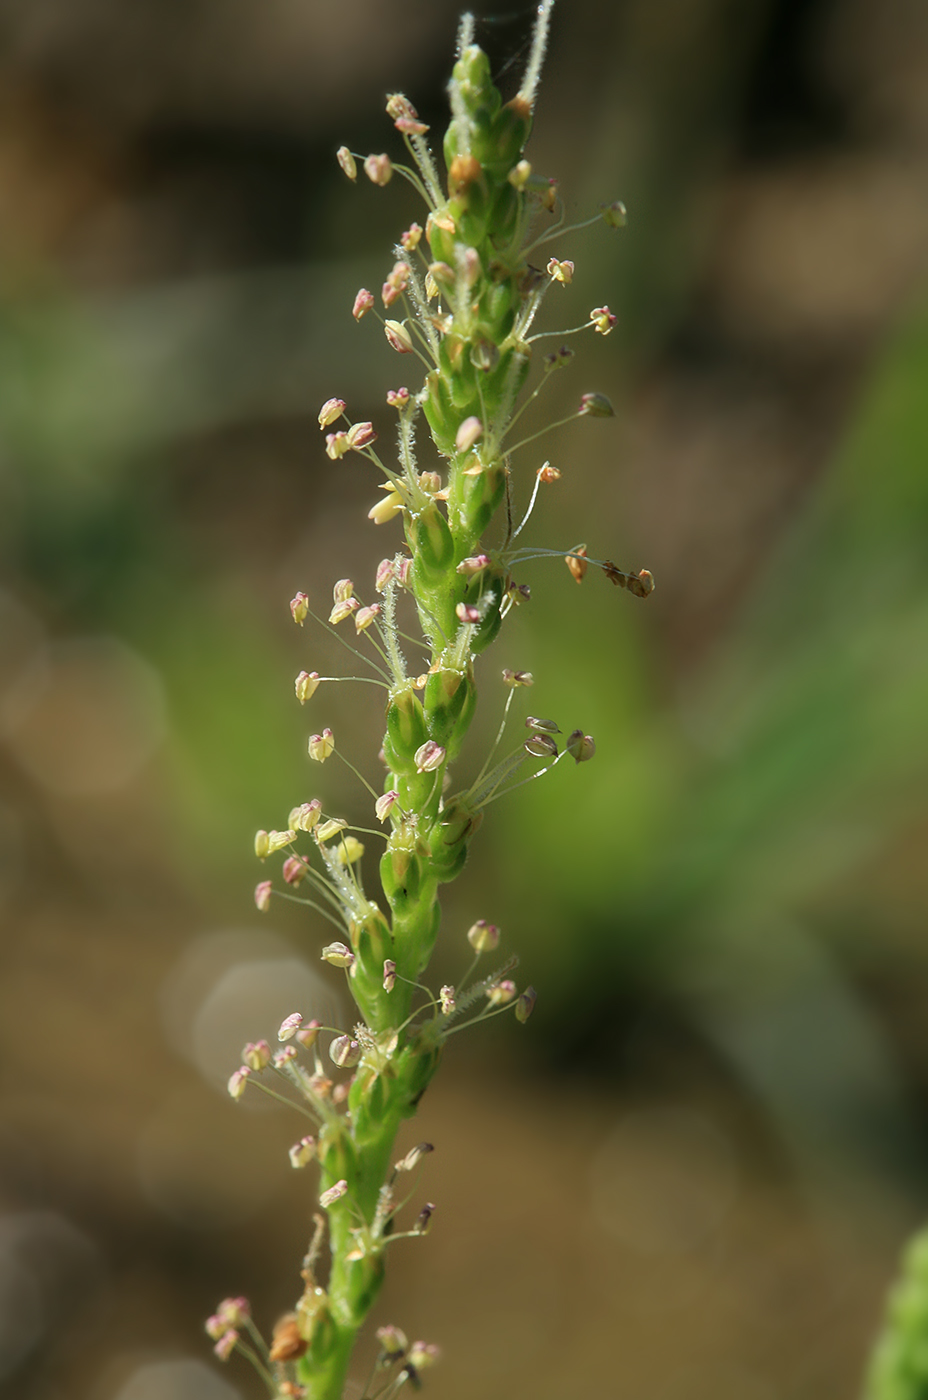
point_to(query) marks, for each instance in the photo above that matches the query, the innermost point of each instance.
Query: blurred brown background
(689, 1176)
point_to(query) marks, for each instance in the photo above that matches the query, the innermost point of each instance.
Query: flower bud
(263, 895)
(560, 271)
(403, 565)
(471, 266)
(603, 319)
(334, 1193)
(299, 608)
(389, 974)
(541, 746)
(517, 678)
(423, 1355)
(308, 1035)
(330, 410)
(393, 1341)
(596, 406)
(501, 993)
(428, 757)
(321, 746)
(396, 283)
(446, 1000)
(331, 828)
(519, 175)
(542, 726)
(302, 1152)
(350, 850)
(379, 169)
(363, 302)
(526, 1004)
(474, 565)
(398, 336)
(214, 1327)
(365, 616)
(576, 562)
(580, 746)
(462, 172)
(257, 1055)
(226, 1344)
(615, 214)
(344, 1052)
(295, 868)
(413, 1157)
(410, 240)
(304, 817)
(361, 435)
(237, 1082)
(467, 613)
(398, 398)
(336, 445)
(347, 162)
(483, 937)
(470, 431)
(289, 1026)
(306, 685)
(338, 954)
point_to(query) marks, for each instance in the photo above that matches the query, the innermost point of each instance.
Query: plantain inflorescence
(461, 299)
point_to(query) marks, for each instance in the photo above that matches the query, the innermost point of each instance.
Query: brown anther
(577, 566)
(641, 584)
(287, 1344)
(614, 574)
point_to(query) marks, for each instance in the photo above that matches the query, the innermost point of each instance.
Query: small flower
(345, 1052)
(596, 406)
(603, 319)
(557, 359)
(386, 508)
(560, 271)
(363, 302)
(385, 572)
(338, 954)
(343, 609)
(365, 616)
(541, 746)
(237, 1082)
(308, 1035)
(330, 410)
(257, 1055)
(379, 169)
(284, 1057)
(576, 562)
(385, 804)
(580, 746)
(483, 937)
(389, 974)
(393, 1341)
(403, 565)
(263, 895)
(347, 162)
(214, 1327)
(428, 757)
(361, 435)
(470, 265)
(306, 685)
(467, 613)
(423, 1355)
(519, 175)
(334, 1193)
(304, 817)
(226, 1344)
(295, 868)
(473, 565)
(526, 1004)
(615, 214)
(398, 398)
(302, 1152)
(234, 1312)
(501, 993)
(410, 240)
(548, 474)
(516, 678)
(336, 445)
(331, 828)
(350, 850)
(398, 336)
(446, 1000)
(470, 431)
(289, 1026)
(321, 746)
(299, 608)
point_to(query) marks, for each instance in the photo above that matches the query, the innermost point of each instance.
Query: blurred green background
(689, 1176)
